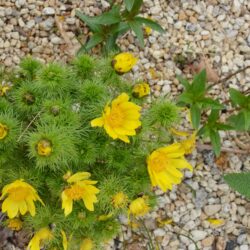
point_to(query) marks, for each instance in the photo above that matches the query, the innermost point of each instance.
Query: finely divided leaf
(239, 182)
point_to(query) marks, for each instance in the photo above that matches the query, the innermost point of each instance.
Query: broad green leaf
(110, 44)
(184, 82)
(239, 121)
(88, 20)
(210, 103)
(214, 116)
(93, 41)
(150, 23)
(239, 182)
(199, 83)
(129, 4)
(215, 140)
(137, 28)
(119, 28)
(222, 126)
(185, 97)
(107, 18)
(136, 8)
(237, 98)
(195, 116)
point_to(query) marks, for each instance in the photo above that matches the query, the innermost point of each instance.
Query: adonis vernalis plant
(78, 148)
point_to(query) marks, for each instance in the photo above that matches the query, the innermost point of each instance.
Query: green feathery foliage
(47, 114)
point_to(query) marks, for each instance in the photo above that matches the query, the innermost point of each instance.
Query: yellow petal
(178, 132)
(67, 204)
(98, 122)
(78, 177)
(65, 241)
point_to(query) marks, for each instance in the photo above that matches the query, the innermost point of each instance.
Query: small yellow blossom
(119, 200)
(104, 217)
(64, 240)
(215, 222)
(3, 131)
(20, 198)
(189, 144)
(121, 119)
(164, 164)
(124, 62)
(148, 30)
(141, 89)
(15, 224)
(139, 206)
(4, 89)
(43, 236)
(44, 148)
(133, 224)
(87, 244)
(80, 189)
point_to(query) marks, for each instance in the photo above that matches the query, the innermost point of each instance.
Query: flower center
(19, 193)
(159, 163)
(3, 131)
(75, 192)
(116, 117)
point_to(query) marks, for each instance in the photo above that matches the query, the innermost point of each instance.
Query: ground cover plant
(79, 146)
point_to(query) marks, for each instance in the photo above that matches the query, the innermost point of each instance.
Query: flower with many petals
(44, 148)
(121, 119)
(139, 206)
(40, 238)
(15, 224)
(119, 200)
(124, 62)
(87, 244)
(164, 165)
(3, 131)
(141, 89)
(80, 188)
(20, 198)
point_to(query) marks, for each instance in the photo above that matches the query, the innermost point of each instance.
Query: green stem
(187, 236)
(151, 245)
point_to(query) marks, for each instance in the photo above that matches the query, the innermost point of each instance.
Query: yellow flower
(148, 30)
(141, 89)
(15, 224)
(119, 200)
(124, 62)
(3, 131)
(189, 144)
(80, 189)
(64, 240)
(40, 238)
(104, 217)
(164, 164)
(139, 206)
(44, 148)
(87, 244)
(121, 119)
(3, 90)
(21, 197)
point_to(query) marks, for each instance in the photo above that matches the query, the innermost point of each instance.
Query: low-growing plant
(115, 22)
(78, 148)
(205, 116)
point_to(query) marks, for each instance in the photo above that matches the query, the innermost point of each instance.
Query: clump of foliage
(205, 115)
(50, 145)
(114, 23)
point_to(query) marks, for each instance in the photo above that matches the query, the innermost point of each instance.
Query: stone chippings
(218, 28)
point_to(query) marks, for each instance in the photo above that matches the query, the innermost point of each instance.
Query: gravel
(217, 28)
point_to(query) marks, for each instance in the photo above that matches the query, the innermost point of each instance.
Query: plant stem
(187, 236)
(229, 76)
(151, 245)
(35, 117)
